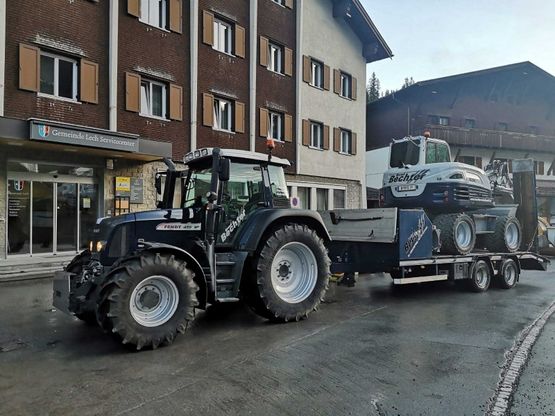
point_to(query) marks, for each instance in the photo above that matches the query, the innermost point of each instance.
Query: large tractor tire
(507, 235)
(148, 300)
(291, 274)
(458, 233)
(76, 267)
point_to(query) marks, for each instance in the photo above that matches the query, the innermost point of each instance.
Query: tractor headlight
(100, 245)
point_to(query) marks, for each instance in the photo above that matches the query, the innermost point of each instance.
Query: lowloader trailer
(234, 237)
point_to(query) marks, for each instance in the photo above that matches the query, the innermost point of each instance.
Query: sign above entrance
(55, 133)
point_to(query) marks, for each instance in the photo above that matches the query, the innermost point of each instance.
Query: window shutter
(207, 27)
(289, 4)
(134, 7)
(306, 69)
(306, 132)
(263, 51)
(288, 62)
(176, 102)
(353, 88)
(479, 162)
(336, 81)
(288, 128)
(132, 92)
(239, 117)
(176, 16)
(89, 82)
(326, 137)
(207, 110)
(541, 168)
(326, 77)
(29, 67)
(353, 143)
(510, 165)
(336, 139)
(239, 41)
(263, 126)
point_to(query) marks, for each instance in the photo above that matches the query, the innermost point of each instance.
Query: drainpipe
(113, 65)
(2, 53)
(194, 10)
(252, 72)
(299, 85)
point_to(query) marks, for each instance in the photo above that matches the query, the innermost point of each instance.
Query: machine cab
(420, 150)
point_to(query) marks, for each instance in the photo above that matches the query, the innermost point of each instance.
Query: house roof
(374, 46)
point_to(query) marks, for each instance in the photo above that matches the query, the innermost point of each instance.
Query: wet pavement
(432, 349)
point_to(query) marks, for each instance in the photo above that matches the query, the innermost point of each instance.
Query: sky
(437, 38)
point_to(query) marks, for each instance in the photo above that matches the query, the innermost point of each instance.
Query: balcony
(493, 139)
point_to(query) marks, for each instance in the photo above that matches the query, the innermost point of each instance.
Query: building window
(304, 197)
(502, 126)
(470, 160)
(321, 199)
(443, 121)
(275, 57)
(316, 74)
(222, 114)
(346, 142)
(346, 85)
(338, 198)
(280, 2)
(153, 99)
(58, 76)
(275, 125)
(154, 13)
(532, 130)
(223, 34)
(469, 123)
(316, 135)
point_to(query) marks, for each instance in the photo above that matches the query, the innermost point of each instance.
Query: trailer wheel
(480, 276)
(292, 274)
(458, 233)
(508, 274)
(507, 235)
(152, 298)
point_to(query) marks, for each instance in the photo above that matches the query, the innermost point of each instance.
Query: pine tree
(373, 88)
(408, 82)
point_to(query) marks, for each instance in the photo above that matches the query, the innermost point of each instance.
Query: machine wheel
(458, 233)
(508, 274)
(507, 235)
(76, 266)
(480, 276)
(149, 300)
(292, 274)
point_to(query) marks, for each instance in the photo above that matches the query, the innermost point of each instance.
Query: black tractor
(224, 231)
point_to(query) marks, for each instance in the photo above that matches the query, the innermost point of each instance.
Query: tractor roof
(206, 152)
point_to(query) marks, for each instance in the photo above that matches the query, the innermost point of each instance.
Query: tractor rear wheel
(292, 274)
(458, 233)
(507, 235)
(148, 301)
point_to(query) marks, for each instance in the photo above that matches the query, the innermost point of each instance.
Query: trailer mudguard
(252, 231)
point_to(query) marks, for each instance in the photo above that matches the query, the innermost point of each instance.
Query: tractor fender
(257, 224)
(200, 277)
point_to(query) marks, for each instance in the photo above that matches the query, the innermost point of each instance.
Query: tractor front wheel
(149, 300)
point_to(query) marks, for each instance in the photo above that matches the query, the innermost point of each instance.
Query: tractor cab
(420, 150)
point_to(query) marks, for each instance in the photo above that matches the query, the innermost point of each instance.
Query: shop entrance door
(49, 214)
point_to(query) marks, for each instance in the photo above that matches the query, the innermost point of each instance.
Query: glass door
(42, 236)
(66, 217)
(88, 212)
(19, 216)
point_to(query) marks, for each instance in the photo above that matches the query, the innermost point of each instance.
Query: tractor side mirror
(158, 184)
(223, 171)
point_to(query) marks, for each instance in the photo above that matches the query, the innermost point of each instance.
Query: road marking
(515, 361)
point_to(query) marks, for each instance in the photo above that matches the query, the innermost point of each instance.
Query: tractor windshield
(405, 153)
(197, 187)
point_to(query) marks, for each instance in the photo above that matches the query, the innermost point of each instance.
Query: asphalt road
(432, 349)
